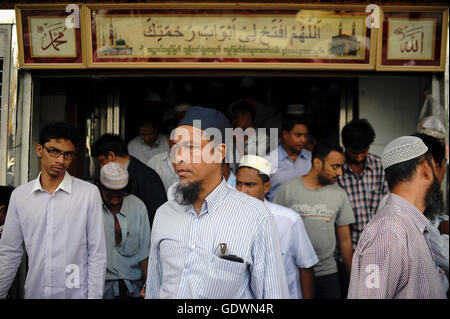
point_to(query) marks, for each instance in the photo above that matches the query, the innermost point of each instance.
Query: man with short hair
(323, 205)
(291, 159)
(127, 233)
(145, 182)
(253, 178)
(362, 174)
(393, 259)
(212, 241)
(149, 142)
(59, 220)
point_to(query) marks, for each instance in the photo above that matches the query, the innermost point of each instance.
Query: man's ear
(267, 187)
(2, 209)
(39, 150)
(220, 152)
(427, 170)
(317, 163)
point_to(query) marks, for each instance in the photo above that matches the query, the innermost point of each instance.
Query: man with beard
(393, 259)
(212, 241)
(127, 234)
(362, 174)
(435, 213)
(323, 205)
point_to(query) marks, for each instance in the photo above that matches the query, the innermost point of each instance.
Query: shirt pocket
(130, 246)
(225, 278)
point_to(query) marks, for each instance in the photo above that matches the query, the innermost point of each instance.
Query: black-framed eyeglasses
(54, 152)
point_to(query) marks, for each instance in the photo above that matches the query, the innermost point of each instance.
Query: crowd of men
(171, 216)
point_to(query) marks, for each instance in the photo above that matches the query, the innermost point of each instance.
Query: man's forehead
(188, 133)
(247, 172)
(60, 143)
(335, 157)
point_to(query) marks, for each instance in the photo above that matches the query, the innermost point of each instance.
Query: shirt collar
(65, 185)
(410, 210)
(282, 154)
(368, 165)
(127, 164)
(213, 199)
(123, 209)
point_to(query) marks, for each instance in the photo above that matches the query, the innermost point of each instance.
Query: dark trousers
(344, 278)
(123, 292)
(328, 287)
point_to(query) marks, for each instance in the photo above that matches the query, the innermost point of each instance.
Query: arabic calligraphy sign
(296, 36)
(413, 40)
(47, 40)
(50, 38)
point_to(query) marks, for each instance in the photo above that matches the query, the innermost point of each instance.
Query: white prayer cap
(402, 149)
(257, 162)
(295, 109)
(114, 176)
(182, 107)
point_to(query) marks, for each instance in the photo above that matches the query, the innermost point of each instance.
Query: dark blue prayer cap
(206, 119)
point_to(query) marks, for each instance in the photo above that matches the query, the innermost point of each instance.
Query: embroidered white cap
(114, 176)
(257, 162)
(402, 149)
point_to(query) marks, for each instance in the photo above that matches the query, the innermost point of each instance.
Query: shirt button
(192, 247)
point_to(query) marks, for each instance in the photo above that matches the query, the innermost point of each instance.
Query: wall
(392, 105)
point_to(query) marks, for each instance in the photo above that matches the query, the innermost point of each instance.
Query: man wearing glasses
(58, 219)
(212, 241)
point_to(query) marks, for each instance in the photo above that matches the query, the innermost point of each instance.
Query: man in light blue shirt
(127, 233)
(59, 220)
(211, 241)
(290, 159)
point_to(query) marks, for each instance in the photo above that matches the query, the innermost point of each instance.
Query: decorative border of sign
(341, 63)
(24, 15)
(439, 17)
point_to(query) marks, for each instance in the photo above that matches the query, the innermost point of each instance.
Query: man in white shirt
(149, 142)
(253, 178)
(59, 220)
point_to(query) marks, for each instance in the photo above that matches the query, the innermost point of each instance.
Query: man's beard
(186, 193)
(325, 181)
(434, 201)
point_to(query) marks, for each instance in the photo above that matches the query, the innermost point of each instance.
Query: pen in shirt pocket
(221, 250)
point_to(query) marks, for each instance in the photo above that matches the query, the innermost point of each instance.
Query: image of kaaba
(345, 44)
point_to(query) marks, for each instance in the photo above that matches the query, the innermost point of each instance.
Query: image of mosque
(116, 45)
(344, 44)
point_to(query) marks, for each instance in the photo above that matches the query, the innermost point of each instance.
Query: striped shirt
(393, 259)
(364, 191)
(184, 262)
(64, 239)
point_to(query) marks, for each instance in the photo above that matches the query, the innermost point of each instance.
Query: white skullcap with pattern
(114, 176)
(402, 149)
(257, 162)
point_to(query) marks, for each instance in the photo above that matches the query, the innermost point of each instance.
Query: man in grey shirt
(322, 205)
